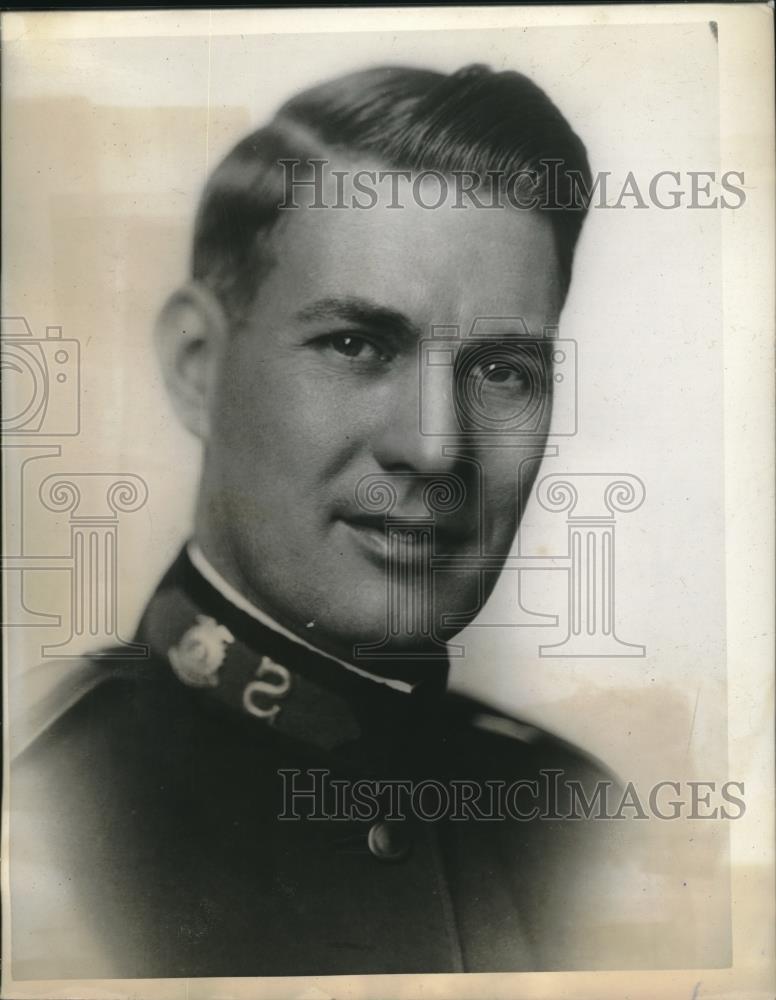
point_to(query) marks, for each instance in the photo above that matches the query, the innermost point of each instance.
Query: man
(352, 516)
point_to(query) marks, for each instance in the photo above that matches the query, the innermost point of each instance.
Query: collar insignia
(271, 681)
(199, 654)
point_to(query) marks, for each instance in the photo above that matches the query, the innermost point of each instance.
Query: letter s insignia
(271, 680)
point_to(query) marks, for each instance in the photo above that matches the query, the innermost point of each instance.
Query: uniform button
(389, 841)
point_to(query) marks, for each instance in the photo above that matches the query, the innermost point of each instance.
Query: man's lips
(409, 546)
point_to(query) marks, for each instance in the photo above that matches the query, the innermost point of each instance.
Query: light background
(108, 141)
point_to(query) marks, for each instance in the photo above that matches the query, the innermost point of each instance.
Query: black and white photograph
(388, 502)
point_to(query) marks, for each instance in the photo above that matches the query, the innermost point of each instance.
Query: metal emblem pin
(198, 656)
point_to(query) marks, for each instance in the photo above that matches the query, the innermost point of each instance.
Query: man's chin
(355, 619)
(376, 637)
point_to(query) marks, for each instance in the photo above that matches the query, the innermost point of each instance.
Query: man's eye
(499, 372)
(501, 375)
(354, 348)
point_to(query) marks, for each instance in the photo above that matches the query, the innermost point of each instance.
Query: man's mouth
(412, 545)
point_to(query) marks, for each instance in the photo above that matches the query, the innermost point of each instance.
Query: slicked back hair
(475, 120)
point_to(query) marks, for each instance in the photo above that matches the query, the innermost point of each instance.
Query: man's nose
(421, 426)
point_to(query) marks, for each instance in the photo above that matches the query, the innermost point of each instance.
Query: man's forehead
(437, 266)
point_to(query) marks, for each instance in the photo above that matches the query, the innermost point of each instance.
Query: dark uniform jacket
(147, 840)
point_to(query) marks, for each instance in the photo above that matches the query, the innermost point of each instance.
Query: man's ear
(191, 335)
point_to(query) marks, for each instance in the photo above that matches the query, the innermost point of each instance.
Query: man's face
(326, 384)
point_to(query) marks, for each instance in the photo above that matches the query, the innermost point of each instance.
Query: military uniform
(146, 838)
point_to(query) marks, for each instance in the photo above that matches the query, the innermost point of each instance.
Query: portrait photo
(387, 432)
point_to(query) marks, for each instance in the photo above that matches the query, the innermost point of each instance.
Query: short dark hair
(475, 120)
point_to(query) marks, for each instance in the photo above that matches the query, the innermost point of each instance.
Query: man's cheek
(500, 517)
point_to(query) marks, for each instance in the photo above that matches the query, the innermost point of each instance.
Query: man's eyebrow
(365, 312)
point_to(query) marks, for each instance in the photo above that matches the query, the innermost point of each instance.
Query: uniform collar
(202, 565)
(233, 657)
